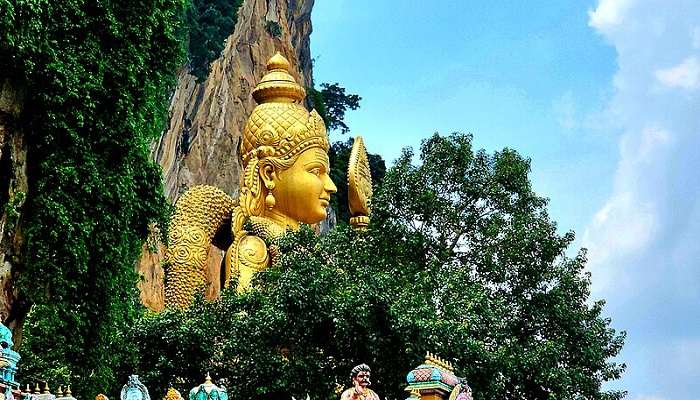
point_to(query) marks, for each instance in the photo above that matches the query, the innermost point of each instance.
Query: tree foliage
(209, 22)
(331, 102)
(98, 75)
(461, 259)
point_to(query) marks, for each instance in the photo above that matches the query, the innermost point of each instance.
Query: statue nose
(329, 186)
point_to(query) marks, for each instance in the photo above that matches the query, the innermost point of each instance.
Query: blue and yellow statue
(285, 183)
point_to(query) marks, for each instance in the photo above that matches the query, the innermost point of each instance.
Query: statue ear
(268, 175)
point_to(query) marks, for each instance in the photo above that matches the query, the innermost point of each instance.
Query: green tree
(460, 259)
(331, 102)
(210, 22)
(98, 75)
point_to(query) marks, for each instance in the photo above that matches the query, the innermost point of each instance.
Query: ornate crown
(280, 126)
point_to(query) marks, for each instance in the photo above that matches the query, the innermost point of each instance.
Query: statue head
(360, 375)
(285, 153)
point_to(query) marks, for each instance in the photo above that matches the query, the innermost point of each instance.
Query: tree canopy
(460, 259)
(331, 102)
(98, 75)
(209, 23)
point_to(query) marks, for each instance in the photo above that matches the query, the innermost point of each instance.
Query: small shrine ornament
(134, 390)
(208, 391)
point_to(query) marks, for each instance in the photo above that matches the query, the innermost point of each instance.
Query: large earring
(270, 201)
(270, 198)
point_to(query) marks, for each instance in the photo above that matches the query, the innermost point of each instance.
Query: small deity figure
(461, 391)
(360, 375)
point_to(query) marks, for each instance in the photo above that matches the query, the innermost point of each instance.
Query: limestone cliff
(13, 189)
(200, 145)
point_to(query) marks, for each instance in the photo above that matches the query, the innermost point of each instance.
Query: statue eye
(316, 171)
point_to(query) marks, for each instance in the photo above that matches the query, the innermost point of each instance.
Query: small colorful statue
(461, 391)
(360, 375)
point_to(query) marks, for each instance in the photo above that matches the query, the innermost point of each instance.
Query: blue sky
(602, 95)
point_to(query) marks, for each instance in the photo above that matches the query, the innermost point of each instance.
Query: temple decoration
(285, 182)
(101, 397)
(461, 391)
(134, 390)
(208, 391)
(414, 394)
(172, 394)
(45, 393)
(65, 395)
(8, 359)
(359, 184)
(434, 379)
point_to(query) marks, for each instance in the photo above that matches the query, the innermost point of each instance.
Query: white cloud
(642, 240)
(626, 222)
(685, 75)
(623, 225)
(608, 14)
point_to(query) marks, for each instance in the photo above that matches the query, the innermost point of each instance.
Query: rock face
(13, 190)
(200, 145)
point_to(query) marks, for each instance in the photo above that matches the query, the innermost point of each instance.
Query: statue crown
(280, 126)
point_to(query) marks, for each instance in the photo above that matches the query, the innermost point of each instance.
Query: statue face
(303, 191)
(362, 378)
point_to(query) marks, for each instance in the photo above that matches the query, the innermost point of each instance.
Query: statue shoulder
(249, 252)
(253, 253)
(245, 258)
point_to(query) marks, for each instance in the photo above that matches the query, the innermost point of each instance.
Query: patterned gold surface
(199, 213)
(359, 184)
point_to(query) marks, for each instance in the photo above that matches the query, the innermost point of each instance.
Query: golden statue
(359, 185)
(285, 182)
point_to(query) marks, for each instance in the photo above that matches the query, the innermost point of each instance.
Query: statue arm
(246, 257)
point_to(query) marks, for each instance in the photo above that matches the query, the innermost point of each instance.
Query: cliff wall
(206, 119)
